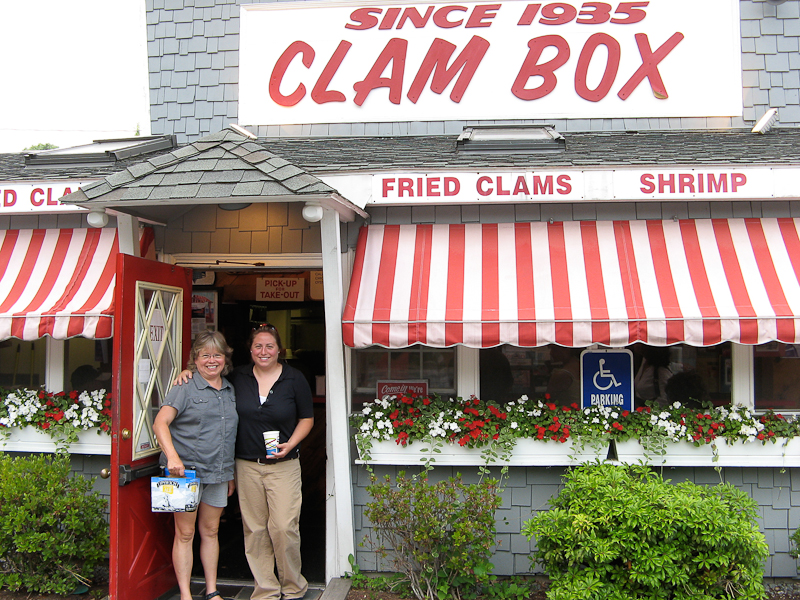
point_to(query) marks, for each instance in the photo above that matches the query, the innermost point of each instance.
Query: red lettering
(558, 13)
(9, 197)
(500, 190)
(50, 201)
(649, 66)
(632, 12)
(480, 13)
(610, 73)
(451, 186)
(406, 185)
(419, 186)
(432, 188)
(700, 182)
(522, 186)
(483, 191)
(542, 186)
(66, 191)
(737, 180)
(440, 17)
(364, 18)
(417, 20)
(648, 187)
(321, 94)
(529, 14)
(390, 18)
(388, 186)
(685, 180)
(564, 184)
(720, 185)
(664, 182)
(34, 197)
(546, 71)
(279, 71)
(437, 58)
(394, 52)
(599, 14)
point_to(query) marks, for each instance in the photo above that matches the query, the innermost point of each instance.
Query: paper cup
(271, 442)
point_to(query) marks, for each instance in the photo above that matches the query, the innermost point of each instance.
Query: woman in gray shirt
(196, 427)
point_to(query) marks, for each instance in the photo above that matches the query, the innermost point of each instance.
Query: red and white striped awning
(701, 282)
(57, 282)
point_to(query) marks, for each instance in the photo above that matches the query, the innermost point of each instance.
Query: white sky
(72, 71)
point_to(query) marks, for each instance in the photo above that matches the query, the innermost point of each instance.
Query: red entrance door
(151, 343)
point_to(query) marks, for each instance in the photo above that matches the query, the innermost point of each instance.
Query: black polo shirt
(289, 400)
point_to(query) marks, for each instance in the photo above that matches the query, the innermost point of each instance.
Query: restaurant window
(678, 372)
(776, 368)
(434, 366)
(87, 364)
(22, 364)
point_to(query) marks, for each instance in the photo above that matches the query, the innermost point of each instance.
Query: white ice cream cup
(271, 442)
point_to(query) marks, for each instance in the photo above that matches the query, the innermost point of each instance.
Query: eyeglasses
(210, 356)
(265, 327)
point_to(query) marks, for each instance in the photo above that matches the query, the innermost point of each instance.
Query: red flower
(547, 397)
(495, 436)
(41, 394)
(760, 435)
(426, 401)
(408, 422)
(625, 413)
(45, 425)
(463, 441)
(475, 433)
(402, 438)
(73, 394)
(574, 405)
(550, 405)
(395, 414)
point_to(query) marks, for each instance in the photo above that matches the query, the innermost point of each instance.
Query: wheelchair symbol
(604, 374)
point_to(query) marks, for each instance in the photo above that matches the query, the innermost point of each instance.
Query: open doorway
(301, 325)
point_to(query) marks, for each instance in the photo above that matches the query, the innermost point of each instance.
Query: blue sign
(607, 378)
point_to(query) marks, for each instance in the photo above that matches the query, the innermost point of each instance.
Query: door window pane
(777, 376)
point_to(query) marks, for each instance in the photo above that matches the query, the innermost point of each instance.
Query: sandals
(214, 595)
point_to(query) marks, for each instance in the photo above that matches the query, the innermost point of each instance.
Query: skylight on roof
(510, 139)
(100, 152)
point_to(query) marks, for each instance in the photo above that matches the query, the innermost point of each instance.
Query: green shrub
(439, 536)
(795, 539)
(619, 533)
(52, 530)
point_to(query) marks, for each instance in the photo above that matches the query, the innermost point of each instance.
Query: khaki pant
(270, 498)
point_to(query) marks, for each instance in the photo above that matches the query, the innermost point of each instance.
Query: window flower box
(782, 453)
(41, 421)
(527, 452)
(395, 430)
(31, 439)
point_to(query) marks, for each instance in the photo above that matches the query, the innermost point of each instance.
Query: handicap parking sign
(607, 378)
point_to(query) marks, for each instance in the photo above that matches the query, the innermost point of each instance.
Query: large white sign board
(313, 62)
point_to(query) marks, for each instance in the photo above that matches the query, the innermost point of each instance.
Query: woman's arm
(302, 429)
(161, 424)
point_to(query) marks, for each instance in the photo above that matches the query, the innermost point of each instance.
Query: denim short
(214, 494)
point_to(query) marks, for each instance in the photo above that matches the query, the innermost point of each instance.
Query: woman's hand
(183, 377)
(175, 467)
(231, 487)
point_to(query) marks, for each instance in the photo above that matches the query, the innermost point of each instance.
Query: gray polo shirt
(204, 430)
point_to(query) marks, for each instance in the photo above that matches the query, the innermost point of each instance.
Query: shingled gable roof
(217, 169)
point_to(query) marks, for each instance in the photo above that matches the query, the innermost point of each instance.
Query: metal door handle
(127, 475)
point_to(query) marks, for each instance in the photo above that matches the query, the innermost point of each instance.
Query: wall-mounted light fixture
(766, 122)
(97, 218)
(775, 2)
(312, 212)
